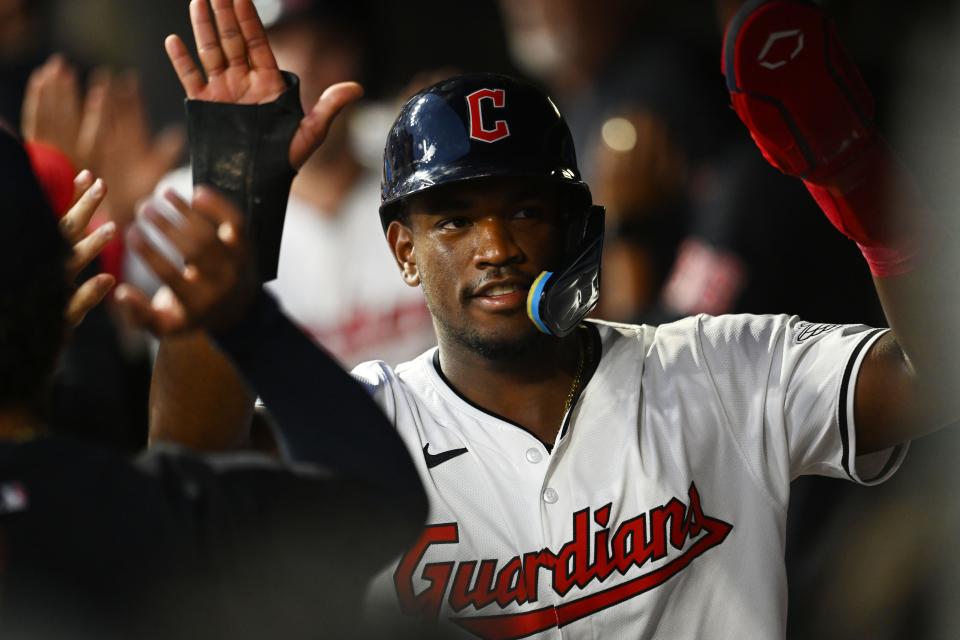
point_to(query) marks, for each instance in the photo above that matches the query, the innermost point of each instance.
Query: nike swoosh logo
(433, 459)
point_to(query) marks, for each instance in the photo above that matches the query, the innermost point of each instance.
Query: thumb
(87, 297)
(315, 125)
(164, 316)
(136, 307)
(94, 119)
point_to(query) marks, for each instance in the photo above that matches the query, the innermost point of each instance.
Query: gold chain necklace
(576, 379)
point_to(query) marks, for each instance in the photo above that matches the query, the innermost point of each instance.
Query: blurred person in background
(93, 545)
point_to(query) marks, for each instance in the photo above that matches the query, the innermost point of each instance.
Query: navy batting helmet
(476, 126)
(487, 125)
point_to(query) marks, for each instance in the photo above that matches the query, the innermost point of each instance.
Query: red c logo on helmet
(500, 129)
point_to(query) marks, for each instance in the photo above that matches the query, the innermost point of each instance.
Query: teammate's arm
(324, 416)
(196, 396)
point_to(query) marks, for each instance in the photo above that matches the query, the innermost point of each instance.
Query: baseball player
(595, 480)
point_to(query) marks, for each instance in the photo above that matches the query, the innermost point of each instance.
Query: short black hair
(33, 286)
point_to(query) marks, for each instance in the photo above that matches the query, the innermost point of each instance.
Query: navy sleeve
(323, 415)
(281, 553)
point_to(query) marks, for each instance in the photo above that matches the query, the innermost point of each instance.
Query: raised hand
(129, 156)
(105, 131)
(73, 225)
(239, 68)
(218, 282)
(51, 110)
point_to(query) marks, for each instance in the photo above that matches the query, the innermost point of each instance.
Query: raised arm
(907, 384)
(808, 109)
(197, 398)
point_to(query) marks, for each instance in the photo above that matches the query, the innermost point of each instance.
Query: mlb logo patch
(13, 498)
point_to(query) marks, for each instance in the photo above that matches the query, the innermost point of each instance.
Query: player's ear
(400, 239)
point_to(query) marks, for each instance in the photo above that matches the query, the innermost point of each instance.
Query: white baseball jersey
(660, 511)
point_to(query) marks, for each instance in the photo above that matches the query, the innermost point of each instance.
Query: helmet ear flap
(578, 213)
(557, 302)
(575, 233)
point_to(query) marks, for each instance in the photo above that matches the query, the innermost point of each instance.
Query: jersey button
(550, 496)
(534, 456)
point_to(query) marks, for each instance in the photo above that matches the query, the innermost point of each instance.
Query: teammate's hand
(54, 112)
(218, 282)
(51, 106)
(130, 158)
(240, 68)
(89, 194)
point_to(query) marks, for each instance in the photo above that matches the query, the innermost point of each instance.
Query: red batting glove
(810, 112)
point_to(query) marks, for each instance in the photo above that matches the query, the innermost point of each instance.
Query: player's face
(475, 249)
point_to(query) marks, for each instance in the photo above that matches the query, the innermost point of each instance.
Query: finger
(87, 296)
(211, 210)
(185, 243)
(189, 75)
(31, 100)
(47, 119)
(215, 226)
(231, 39)
(315, 125)
(93, 119)
(89, 248)
(135, 305)
(169, 308)
(67, 91)
(200, 228)
(78, 217)
(205, 35)
(160, 265)
(131, 113)
(220, 212)
(258, 49)
(81, 183)
(39, 113)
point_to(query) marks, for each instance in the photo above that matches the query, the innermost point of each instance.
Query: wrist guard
(243, 151)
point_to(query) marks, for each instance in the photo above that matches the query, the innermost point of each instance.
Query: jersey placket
(555, 514)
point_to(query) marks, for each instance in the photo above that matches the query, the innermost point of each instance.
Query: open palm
(240, 68)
